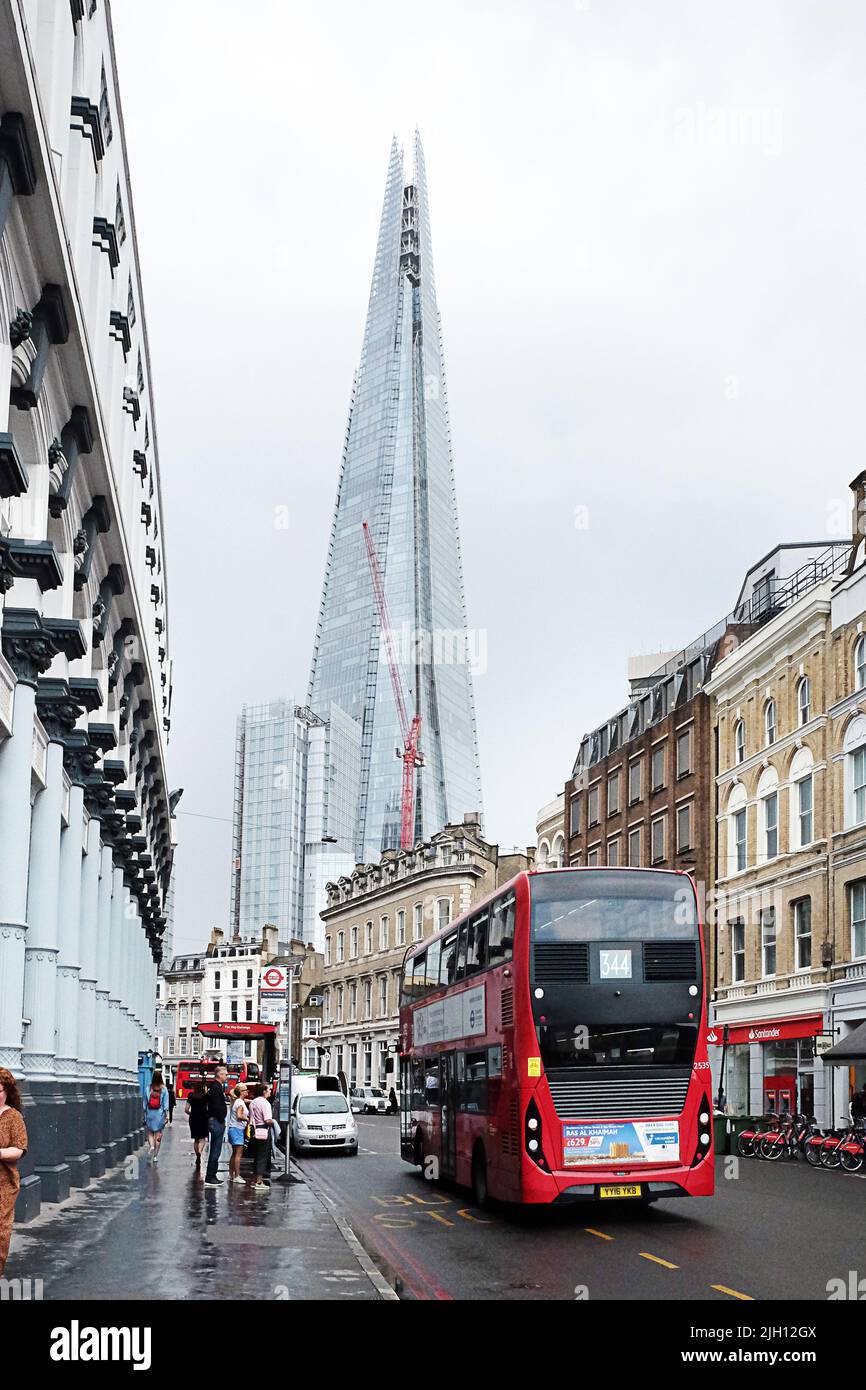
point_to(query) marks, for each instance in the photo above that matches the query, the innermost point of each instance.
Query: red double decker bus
(553, 1041)
(188, 1074)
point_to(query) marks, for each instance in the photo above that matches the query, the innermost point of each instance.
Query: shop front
(770, 1066)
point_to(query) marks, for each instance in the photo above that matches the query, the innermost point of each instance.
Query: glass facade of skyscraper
(397, 475)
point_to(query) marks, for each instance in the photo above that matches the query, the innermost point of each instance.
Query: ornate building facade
(372, 915)
(86, 829)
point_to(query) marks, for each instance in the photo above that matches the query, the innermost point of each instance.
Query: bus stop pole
(285, 1091)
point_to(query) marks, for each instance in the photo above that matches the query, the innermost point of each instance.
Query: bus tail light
(533, 1137)
(705, 1133)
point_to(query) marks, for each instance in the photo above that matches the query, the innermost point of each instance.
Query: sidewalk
(155, 1232)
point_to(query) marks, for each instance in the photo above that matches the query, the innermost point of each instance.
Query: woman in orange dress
(13, 1146)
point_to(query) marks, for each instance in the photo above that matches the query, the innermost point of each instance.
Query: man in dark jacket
(216, 1124)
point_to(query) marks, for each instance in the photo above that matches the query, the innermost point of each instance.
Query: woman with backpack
(156, 1114)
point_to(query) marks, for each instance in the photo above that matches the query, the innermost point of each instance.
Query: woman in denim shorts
(238, 1118)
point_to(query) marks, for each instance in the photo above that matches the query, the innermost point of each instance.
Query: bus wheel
(479, 1177)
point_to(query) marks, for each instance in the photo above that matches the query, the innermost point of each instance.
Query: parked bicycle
(788, 1138)
(845, 1149)
(748, 1139)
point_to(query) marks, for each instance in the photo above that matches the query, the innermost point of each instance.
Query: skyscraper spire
(397, 474)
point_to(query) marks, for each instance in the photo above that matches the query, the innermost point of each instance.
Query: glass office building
(296, 790)
(397, 474)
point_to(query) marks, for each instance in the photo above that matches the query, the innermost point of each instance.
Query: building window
(771, 825)
(418, 922)
(216, 1011)
(249, 1010)
(383, 933)
(684, 827)
(353, 949)
(803, 933)
(613, 794)
(592, 859)
(739, 741)
(341, 947)
(574, 816)
(443, 912)
(804, 810)
(858, 785)
(368, 998)
(327, 950)
(770, 722)
(216, 980)
(657, 839)
(234, 979)
(738, 950)
(633, 782)
(684, 753)
(613, 852)
(860, 663)
(857, 910)
(234, 1009)
(383, 996)
(401, 928)
(311, 1058)
(312, 1027)
(634, 847)
(658, 768)
(804, 701)
(768, 940)
(339, 1003)
(592, 806)
(740, 838)
(368, 938)
(249, 979)
(105, 109)
(353, 1002)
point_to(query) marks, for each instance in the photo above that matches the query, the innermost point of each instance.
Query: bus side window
(476, 950)
(433, 951)
(501, 941)
(419, 1099)
(406, 993)
(472, 1080)
(448, 960)
(419, 975)
(461, 952)
(431, 1082)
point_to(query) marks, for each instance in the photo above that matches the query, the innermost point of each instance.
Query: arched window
(737, 830)
(854, 748)
(739, 741)
(804, 701)
(770, 722)
(557, 854)
(802, 814)
(543, 853)
(860, 663)
(768, 815)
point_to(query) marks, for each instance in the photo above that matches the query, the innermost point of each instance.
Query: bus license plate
(622, 1190)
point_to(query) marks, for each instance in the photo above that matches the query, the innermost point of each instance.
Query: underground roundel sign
(273, 977)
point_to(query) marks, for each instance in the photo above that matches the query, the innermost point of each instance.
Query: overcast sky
(648, 231)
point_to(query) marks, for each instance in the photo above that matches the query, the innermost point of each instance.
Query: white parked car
(322, 1120)
(368, 1100)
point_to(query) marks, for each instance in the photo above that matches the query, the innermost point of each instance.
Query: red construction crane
(410, 733)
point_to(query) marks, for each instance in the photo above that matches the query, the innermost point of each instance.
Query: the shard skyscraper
(397, 475)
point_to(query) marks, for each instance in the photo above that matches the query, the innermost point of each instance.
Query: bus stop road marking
(590, 1231)
(722, 1288)
(656, 1259)
(436, 1217)
(467, 1216)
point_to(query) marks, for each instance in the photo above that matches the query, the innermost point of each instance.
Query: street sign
(235, 1050)
(165, 1022)
(285, 1093)
(272, 1009)
(274, 977)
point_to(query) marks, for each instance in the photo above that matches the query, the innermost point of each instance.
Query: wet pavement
(155, 1232)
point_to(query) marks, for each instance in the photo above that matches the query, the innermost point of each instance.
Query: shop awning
(236, 1030)
(849, 1049)
(768, 1030)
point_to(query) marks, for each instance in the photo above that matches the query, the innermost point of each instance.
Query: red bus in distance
(553, 1041)
(190, 1072)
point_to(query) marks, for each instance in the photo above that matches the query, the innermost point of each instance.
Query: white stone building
(86, 838)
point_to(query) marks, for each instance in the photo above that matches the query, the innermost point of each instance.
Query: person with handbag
(261, 1118)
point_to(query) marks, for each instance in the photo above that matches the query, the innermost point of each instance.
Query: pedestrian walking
(261, 1118)
(217, 1110)
(393, 1107)
(196, 1109)
(238, 1119)
(13, 1146)
(156, 1114)
(172, 1101)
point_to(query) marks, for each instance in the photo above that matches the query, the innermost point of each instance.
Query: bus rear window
(612, 905)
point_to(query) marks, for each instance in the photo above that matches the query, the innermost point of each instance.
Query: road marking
(590, 1231)
(722, 1288)
(436, 1217)
(656, 1259)
(467, 1216)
